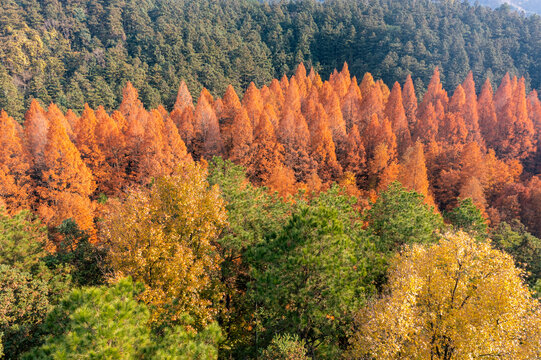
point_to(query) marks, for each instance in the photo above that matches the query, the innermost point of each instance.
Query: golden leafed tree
(165, 238)
(458, 299)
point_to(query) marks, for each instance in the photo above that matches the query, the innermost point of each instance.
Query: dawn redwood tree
(488, 121)
(351, 105)
(253, 103)
(87, 144)
(112, 143)
(15, 165)
(207, 139)
(409, 100)
(36, 125)
(412, 170)
(266, 153)
(230, 107)
(396, 114)
(242, 138)
(65, 182)
(470, 111)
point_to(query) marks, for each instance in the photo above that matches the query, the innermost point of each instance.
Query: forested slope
(72, 52)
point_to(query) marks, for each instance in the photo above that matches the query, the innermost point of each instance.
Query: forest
(286, 187)
(295, 180)
(73, 52)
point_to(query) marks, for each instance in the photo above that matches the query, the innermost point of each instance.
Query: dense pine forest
(83, 51)
(251, 180)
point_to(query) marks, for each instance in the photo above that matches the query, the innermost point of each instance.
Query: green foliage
(85, 261)
(400, 217)
(28, 288)
(24, 304)
(251, 211)
(285, 347)
(524, 247)
(158, 43)
(308, 280)
(180, 344)
(467, 217)
(110, 323)
(22, 240)
(252, 214)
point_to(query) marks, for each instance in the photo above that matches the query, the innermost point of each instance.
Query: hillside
(72, 52)
(243, 179)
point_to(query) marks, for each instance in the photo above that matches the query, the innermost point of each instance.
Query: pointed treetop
(231, 99)
(184, 98)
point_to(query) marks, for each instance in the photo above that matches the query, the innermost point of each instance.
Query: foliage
(523, 246)
(252, 214)
(22, 240)
(24, 305)
(285, 347)
(467, 217)
(165, 237)
(85, 260)
(399, 217)
(456, 299)
(109, 322)
(28, 288)
(308, 280)
(236, 42)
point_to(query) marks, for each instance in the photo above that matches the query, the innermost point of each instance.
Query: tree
(28, 288)
(164, 237)
(266, 153)
(395, 113)
(65, 181)
(15, 165)
(295, 288)
(401, 217)
(468, 218)
(514, 239)
(207, 140)
(487, 114)
(441, 303)
(109, 322)
(412, 172)
(87, 144)
(285, 347)
(252, 213)
(409, 100)
(242, 139)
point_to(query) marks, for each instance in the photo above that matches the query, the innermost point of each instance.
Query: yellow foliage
(459, 299)
(164, 237)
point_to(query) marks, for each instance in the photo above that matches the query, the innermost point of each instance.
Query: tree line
(72, 52)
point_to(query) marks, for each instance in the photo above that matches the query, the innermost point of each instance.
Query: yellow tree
(458, 299)
(164, 237)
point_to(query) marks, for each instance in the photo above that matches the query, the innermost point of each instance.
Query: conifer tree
(413, 173)
(15, 166)
(242, 138)
(207, 140)
(65, 181)
(266, 153)
(395, 113)
(409, 100)
(488, 121)
(252, 103)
